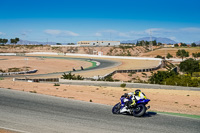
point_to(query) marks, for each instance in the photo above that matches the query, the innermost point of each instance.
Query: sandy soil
(178, 101)
(43, 65)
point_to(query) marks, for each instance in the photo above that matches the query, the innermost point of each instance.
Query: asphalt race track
(35, 113)
(103, 64)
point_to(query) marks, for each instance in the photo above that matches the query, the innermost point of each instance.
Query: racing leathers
(136, 97)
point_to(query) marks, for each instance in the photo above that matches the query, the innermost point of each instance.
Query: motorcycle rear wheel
(139, 110)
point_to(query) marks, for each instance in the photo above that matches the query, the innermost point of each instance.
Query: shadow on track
(146, 115)
(149, 114)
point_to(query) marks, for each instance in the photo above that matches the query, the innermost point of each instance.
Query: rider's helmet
(126, 95)
(137, 92)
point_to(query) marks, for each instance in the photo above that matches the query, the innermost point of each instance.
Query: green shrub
(72, 76)
(159, 56)
(123, 85)
(56, 84)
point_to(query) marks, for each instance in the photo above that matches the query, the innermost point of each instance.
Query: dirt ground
(43, 65)
(178, 101)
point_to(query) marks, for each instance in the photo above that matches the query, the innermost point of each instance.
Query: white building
(98, 43)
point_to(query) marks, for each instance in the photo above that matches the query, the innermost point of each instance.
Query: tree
(196, 55)
(183, 44)
(160, 76)
(193, 44)
(182, 53)
(3, 41)
(58, 44)
(189, 66)
(14, 40)
(154, 42)
(159, 43)
(169, 56)
(176, 45)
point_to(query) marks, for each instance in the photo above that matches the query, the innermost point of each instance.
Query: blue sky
(74, 20)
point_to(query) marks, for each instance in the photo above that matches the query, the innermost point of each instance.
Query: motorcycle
(139, 109)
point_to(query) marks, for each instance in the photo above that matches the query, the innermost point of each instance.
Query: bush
(33, 91)
(181, 80)
(56, 84)
(159, 56)
(72, 76)
(14, 69)
(123, 85)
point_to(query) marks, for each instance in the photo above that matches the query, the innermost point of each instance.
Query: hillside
(112, 51)
(158, 39)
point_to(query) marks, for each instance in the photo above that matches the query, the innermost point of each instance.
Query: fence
(22, 72)
(37, 80)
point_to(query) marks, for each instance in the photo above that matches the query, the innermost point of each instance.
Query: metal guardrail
(37, 80)
(134, 70)
(22, 72)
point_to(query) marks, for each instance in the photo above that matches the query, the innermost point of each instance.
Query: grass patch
(183, 115)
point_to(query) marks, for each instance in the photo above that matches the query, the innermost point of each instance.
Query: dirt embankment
(114, 51)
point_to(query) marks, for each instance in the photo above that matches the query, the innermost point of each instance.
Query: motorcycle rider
(137, 95)
(130, 99)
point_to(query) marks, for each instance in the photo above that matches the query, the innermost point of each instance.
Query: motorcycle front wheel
(116, 108)
(139, 110)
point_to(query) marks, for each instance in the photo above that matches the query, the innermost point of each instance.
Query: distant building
(168, 45)
(98, 43)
